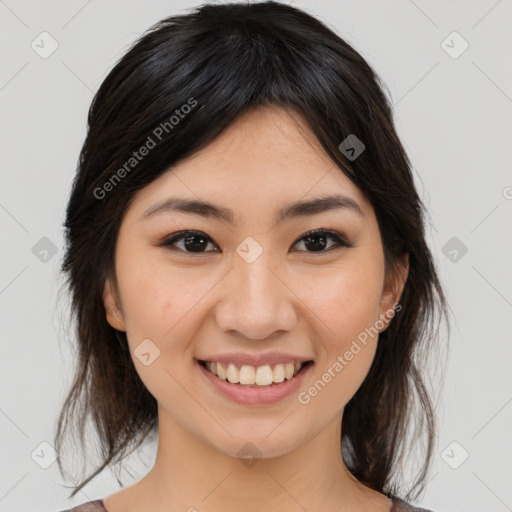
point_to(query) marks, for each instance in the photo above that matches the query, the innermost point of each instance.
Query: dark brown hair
(222, 60)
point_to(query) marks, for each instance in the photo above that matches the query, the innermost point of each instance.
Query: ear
(113, 312)
(393, 288)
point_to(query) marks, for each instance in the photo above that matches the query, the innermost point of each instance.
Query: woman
(249, 272)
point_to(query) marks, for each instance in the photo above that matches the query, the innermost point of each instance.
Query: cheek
(347, 348)
(346, 297)
(161, 299)
(350, 309)
(158, 304)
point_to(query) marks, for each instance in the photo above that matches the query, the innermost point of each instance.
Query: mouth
(247, 376)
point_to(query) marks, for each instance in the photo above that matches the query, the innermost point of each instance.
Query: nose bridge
(258, 284)
(255, 301)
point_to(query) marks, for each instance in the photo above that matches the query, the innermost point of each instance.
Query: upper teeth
(260, 375)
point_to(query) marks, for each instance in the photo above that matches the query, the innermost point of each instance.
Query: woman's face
(251, 284)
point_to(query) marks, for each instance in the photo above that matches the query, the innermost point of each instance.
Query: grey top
(399, 505)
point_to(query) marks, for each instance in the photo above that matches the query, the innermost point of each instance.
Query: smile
(248, 375)
(262, 385)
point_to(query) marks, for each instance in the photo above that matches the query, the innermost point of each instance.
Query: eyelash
(340, 241)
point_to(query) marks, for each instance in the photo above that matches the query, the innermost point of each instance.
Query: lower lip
(256, 396)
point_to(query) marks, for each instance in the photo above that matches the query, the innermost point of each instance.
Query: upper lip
(269, 358)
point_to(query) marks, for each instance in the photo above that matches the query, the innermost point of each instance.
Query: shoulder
(400, 505)
(89, 506)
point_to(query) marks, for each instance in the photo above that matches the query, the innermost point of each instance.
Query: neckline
(395, 500)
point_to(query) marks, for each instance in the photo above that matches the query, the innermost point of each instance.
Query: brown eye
(316, 241)
(197, 242)
(192, 241)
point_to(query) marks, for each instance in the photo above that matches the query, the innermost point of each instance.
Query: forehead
(265, 159)
(265, 145)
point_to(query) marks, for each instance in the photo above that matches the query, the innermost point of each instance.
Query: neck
(190, 474)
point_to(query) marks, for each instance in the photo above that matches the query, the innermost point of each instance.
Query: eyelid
(167, 241)
(340, 240)
(343, 240)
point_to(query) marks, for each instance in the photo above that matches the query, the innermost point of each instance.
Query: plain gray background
(453, 112)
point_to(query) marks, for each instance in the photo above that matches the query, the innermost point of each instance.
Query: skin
(290, 298)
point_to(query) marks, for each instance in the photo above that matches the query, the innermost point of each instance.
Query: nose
(256, 301)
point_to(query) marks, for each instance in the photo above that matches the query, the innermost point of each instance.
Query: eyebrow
(298, 209)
